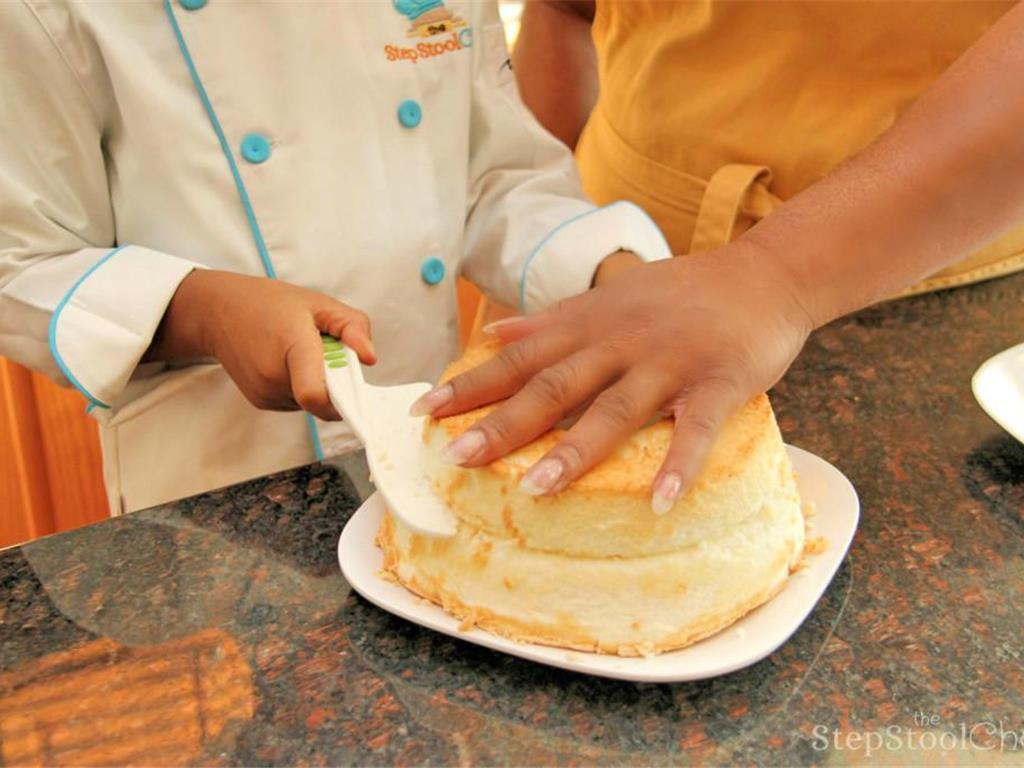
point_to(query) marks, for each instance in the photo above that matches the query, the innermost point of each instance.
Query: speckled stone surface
(219, 630)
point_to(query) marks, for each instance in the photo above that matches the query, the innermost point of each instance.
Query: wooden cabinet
(51, 475)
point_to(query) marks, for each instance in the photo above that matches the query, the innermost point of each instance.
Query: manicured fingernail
(666, 492)
(465, 446)
(433, 400)
(492, 328)
(542, 477)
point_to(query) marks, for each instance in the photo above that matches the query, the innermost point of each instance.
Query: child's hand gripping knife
(266, 334)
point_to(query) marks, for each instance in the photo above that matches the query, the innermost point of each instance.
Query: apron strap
(733, 188)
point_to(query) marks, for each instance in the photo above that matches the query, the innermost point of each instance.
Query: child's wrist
(615, 264)
(180, 335)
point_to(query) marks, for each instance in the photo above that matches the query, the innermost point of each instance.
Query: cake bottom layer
(628, 606)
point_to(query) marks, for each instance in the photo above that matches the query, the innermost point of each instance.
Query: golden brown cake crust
(630, 470)
(523, 632)
(607, 512)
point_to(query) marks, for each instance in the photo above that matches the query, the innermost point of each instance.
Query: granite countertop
(219, 629)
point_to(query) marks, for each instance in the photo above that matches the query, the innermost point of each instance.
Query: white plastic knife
(393, 440)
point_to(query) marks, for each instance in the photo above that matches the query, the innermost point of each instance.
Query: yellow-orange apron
(712, 112)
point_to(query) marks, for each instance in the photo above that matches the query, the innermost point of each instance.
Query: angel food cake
(593, 568)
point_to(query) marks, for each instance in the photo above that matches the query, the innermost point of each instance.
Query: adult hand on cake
(692, 337)
(698, 335)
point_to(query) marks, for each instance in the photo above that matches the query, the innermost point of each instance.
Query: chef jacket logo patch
(429, 18)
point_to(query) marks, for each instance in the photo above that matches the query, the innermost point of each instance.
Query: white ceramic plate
(999, 388)
(740, 645)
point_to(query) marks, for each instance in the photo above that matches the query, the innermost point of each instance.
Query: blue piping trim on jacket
(567, 222)
(314, 432)
(55, 318)
(243, 194)
(250, 214)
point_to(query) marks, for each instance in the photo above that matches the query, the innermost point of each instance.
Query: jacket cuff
(105, 322)
(564, 262)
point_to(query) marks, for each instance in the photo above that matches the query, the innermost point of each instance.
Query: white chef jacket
(340, 146)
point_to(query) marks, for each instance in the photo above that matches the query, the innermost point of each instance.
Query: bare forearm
(944, 180)
(555, 65)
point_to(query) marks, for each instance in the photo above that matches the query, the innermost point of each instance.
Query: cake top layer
(632, 467)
